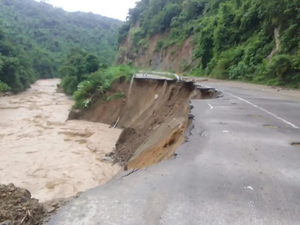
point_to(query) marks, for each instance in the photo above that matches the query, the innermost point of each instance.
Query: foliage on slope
(46, 33)
(16, 71)
(251, 40)
(85, 77)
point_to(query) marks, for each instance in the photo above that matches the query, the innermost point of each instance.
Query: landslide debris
(154, 117)
(17, 207)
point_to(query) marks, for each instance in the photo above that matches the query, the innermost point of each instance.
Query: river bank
(43, 153)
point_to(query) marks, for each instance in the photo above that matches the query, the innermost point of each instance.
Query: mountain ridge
(253, 40)
(35, 38)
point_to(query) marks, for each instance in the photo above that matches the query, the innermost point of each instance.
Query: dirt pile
(154, 118)
(17, 207)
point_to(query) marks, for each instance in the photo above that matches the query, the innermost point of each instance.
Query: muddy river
(41, 152)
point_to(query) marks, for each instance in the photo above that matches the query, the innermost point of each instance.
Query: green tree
(251, 40)
(46, 34)
(92, 63)
(16, 71)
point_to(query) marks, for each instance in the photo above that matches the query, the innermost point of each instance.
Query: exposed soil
(154, 118)
(175, 57)
(18, 207)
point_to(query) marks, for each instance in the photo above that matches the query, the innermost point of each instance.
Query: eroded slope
(153, 115)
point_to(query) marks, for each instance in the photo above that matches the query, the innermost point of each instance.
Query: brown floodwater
(43, 153)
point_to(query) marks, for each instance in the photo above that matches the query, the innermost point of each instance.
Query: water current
(43, 153)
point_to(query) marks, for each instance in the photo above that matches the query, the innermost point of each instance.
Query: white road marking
(225, 131)
(264, 110)
(249, 187)
(211, 107)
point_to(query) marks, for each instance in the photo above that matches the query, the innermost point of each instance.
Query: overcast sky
(112, 8)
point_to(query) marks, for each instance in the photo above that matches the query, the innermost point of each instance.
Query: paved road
(238, 167)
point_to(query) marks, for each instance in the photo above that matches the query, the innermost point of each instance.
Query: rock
(78, 194)
(107, 159)
(111, 154)
(8, 93)
(191, 116)
(75, 114)
(51, 209)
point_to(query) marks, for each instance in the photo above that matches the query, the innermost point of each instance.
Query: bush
(136, 35)
(280, 67)
(159, 45)
(69, 84)
(143, 43)
(83, 95)
(239, 71)
(115, 96)
(98, 83)
(4, 87)
(117, 71)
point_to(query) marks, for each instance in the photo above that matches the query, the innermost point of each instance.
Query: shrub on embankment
(85, 77)
(99, 83)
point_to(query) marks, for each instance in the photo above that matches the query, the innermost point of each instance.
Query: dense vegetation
(38, 36)
(87, 79)
(16, 71)
(251, 40)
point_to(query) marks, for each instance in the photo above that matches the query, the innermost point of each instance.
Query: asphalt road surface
(238, 167)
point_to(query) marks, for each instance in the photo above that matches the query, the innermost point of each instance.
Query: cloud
(111, 8)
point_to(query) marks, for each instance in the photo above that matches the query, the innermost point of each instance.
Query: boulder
(75, 114)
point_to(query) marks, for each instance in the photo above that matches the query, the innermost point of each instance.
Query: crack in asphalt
(133, 171)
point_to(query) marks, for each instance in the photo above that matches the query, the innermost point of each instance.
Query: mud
(18, 207)
(46, 155)
(154, 116)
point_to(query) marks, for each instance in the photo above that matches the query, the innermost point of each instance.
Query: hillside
(251, 40)
(45, 34)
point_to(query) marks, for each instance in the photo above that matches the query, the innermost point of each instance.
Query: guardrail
(164, 74)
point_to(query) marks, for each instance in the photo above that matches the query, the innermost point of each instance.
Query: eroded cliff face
(177, 58)
(153, 115)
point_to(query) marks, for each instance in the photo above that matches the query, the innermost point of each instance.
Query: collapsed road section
(154, 116)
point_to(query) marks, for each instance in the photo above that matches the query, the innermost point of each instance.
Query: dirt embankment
(177, 57)
(153, 116)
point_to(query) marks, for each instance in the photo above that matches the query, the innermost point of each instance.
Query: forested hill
(44, 35)
(251, 40)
